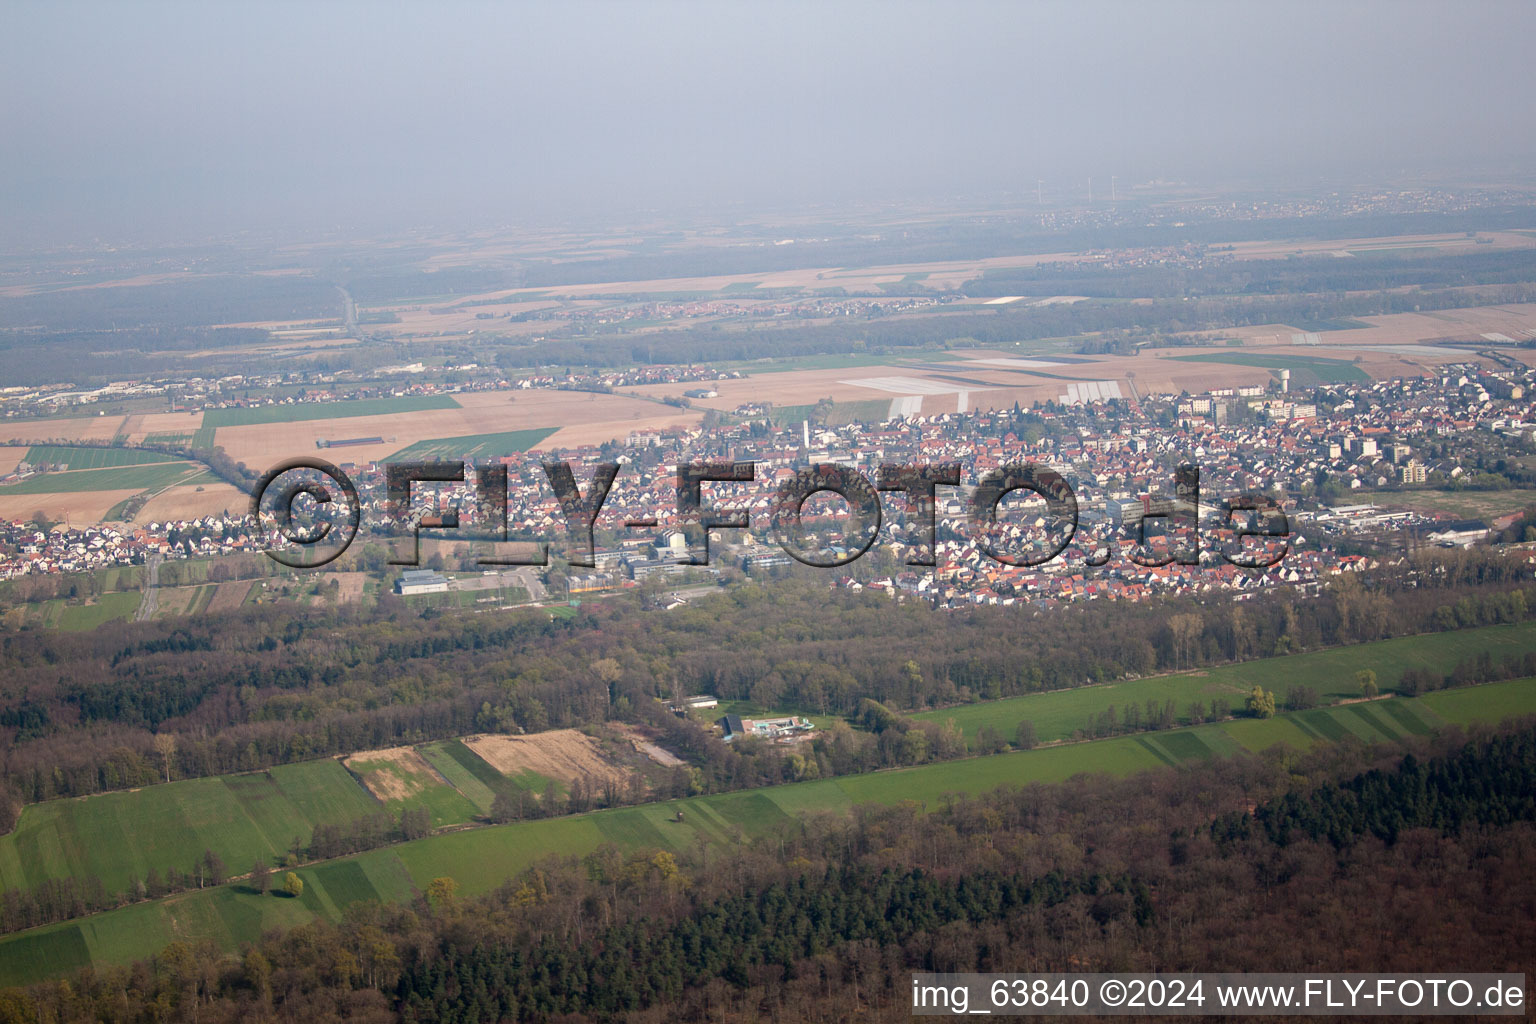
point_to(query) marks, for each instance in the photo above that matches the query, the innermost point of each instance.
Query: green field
(216, 418)
(108, 608)
(469, 598)
(1466, 504)
(1059, 714)
(93, 458)
(1483, 703)
(473, 446)
(481, 859)
(455, 762)
(1341, 323)
(1328, 370)
(264, 811)
(833, 361)
(841, 414)
(420, 785)
(119, 837)
(165, 437)
(146, 477)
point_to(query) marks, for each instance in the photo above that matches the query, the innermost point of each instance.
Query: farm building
(697, 702)
(321, 442)
(764, 728)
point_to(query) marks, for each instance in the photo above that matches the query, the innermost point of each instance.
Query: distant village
(1322, 454)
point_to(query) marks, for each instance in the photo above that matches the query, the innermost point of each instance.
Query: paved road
(525, 577)
(151, 599)
(528, 579)
(348, 310)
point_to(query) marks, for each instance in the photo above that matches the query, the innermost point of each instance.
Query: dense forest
(105, 332)
(1207, 868)
(997, 236)
(131, 704)
(189, 302)
(1297, 275)
(39, 356)
(1002, 325)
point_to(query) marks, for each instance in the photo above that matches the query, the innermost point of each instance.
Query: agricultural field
(1059, 714)
(300, 411)
(229, 596)
(840, 414)
(106, 608)
(93, 458)
(564, 755)
(576, 417)
(144, 477)
(1000, 376)
(193, 500)
(481, 859)
(240, 817)
(1314, 369)
(400, 778)
(119, 837)
(1341, 323)
(73, 617)
(1491, 701)
(1332, 672)
(474, 446)
(174, 602)
(472, 776)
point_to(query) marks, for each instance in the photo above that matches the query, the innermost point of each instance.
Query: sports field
(298, 412)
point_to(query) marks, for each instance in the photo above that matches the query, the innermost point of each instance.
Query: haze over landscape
(626, 514)
(177, 120)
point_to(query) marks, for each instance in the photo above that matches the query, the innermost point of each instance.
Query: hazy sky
(141, 119)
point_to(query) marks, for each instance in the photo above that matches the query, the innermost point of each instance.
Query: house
(788, 728)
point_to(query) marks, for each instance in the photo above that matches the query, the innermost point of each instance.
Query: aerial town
(1334, 457)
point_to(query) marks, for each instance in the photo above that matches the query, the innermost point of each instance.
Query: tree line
(826, 917)
(131, 704)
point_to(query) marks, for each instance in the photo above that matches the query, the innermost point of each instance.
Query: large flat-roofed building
(421, 581)
(696, 702)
